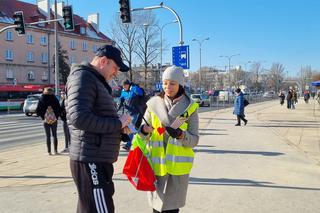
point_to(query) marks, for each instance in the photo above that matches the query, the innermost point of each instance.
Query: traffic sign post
(180, 56)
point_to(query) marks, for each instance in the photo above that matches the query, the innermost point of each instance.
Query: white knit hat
(174, 73)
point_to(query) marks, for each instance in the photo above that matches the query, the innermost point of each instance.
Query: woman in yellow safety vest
(173, 132)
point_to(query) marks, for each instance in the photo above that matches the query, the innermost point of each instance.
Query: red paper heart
(161, 130)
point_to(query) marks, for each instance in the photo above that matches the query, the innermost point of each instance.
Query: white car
(30, 104)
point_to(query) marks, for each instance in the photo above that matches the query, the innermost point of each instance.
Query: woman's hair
(48, 91)
(181, 91)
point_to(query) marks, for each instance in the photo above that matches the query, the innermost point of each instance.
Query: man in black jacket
(95, 129)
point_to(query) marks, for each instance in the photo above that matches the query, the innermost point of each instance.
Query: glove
(125, 137)
(175, 133)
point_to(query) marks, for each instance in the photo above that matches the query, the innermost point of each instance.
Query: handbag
(138, 168)
(245, 102)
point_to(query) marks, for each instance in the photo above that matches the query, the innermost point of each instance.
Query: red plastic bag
(139, 171)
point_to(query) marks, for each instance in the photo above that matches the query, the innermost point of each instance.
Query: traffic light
(68, 18)
(125, 13)
(18, 20)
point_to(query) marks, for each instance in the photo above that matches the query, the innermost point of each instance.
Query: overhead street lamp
(229, 59)
(200, 44)
(161, 30)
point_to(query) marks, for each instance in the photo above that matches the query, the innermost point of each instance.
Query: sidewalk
(270, 165)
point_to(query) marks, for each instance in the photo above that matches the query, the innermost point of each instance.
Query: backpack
(49, 116)
(245, 102)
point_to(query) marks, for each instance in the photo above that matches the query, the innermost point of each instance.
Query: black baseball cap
(113, 53)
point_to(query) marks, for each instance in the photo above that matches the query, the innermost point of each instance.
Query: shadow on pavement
(212, 129)
(242, 182)
(306, 126)
(207, 133)
(239, 152)
(36, 176)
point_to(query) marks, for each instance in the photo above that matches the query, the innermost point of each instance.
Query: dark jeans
(242, 118)
(167, 211)
(53, 128)
(66, 134)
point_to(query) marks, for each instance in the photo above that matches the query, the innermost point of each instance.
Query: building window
(9, 74)
(86, 59)
(30, 39)
(9, 36)
(30, 57)
(82, 30)
(73, 44)
(43, 40)
(94, 48)
(30, 75)
(9, 55)
(84, 46)
(42, 24)
(44, 76)
(44, 58)
(73, 59)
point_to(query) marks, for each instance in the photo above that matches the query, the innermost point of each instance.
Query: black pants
(53, 128)
(167, 211)
(242, 118)
(66, 134)
(95, 186)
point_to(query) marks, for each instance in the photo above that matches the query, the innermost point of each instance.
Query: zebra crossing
(18, 129)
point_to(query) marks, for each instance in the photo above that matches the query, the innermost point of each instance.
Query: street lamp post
(229, 59)
(161, 31)
(200, 44)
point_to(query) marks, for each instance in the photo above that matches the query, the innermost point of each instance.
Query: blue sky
(270, 31)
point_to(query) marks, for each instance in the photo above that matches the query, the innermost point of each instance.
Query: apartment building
(28, 59)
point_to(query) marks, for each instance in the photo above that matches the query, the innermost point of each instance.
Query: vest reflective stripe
(179, 159)
(156, 144)
(176, 159)
(158, 160)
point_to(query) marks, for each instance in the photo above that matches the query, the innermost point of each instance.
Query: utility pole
(200, 44)
(56, 74)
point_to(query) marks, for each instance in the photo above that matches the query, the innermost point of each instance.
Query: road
(18, 129)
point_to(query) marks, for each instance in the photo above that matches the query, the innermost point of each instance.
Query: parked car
(269, 94)
(30, 104)
(202, 100)
(225, 96)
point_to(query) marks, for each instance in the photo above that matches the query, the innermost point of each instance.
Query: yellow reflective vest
(176, 159)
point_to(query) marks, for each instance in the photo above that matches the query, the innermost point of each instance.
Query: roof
(32, 14)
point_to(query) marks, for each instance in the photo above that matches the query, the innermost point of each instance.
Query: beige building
(28, 59)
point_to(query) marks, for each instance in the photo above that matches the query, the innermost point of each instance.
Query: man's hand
(175, 133)
(125, 120)
(146, 129)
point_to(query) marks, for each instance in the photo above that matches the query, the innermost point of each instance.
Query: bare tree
(275, 76)
(125, 37)
(256, 69)
(148, 43)
(305, 76)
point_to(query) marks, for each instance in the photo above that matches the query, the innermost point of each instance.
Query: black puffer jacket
(91, 112)
(45, 101)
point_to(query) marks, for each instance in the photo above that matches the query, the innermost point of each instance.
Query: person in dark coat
(95, 129)
(47, 103)
(239, 107)
(63, 116)
(282, 97)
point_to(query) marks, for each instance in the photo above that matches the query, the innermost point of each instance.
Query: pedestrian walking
(95, 129)
(289, 98)
(63, 116)
(173, 132)
(49, 110)
(306, 96)
(282, 97)
(239, 107)
(132, 100)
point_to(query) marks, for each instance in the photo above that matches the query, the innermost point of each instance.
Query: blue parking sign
(180, 56)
